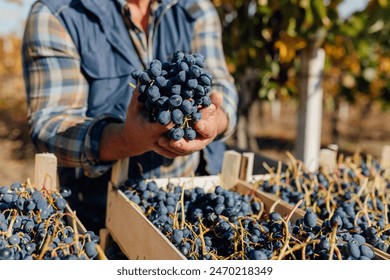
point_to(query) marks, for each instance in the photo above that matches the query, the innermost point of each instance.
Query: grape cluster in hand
(175, 92)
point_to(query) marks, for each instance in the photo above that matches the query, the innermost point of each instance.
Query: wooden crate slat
(45, 173)
(246, 168)
(385, 158)
(230, 169)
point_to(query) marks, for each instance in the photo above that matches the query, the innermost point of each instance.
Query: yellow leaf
(288, 46)
(383, 3)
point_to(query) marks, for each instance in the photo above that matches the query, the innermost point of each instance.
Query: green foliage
(267, 36)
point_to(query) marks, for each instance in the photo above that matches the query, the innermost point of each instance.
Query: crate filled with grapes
(354, 191)
(37, 224)
(200, 219)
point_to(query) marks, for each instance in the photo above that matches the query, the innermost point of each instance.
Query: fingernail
(201, 126)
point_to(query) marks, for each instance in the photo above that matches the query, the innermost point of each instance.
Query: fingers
(216, 98)
(174, 147)
(164, 152)
(206, 129)
(208, 111)
(184, 147)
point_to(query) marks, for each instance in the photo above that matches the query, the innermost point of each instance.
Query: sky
(12, 15)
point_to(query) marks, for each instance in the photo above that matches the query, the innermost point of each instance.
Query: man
(78, 59)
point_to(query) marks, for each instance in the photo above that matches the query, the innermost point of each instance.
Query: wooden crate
(138, 238)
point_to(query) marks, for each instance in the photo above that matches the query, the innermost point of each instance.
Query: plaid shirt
(57, 91)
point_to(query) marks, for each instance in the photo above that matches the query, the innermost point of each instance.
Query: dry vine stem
(285, 223)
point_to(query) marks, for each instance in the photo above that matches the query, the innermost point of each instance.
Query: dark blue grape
(37, 195)
(183, 66)
(60, 203)
(353, 250)
(186, 107)
(178, 55)
(190, 59)
(90, 249)
(136, 199)
(206, 101)
(200, 91)
(199, 60)
(68, 240)
(310, 219)
(177, 236)
(257, 255)
(176, 133)
(195, 71)
(205, 80)
(181, 77)
(359, 238)
(187, 94)
(6, 254)
(164, 117)
(155, 63)
(175, 101)
(154, 71)
(176, 90)
(189, 133)
(7, 198)
(177, 117)
(14, 239)
(324, 243)
(275, 216)
(367, 252)
(336, 219)
(65, 192)
(3, 190)
(160, 82)
(15, 186)
(192, 83)
(153, 93)
(136, 74)
(196, 116)
(144, 78)
(20, 203)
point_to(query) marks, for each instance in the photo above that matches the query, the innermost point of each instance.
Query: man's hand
(134, 137)
(214, 122)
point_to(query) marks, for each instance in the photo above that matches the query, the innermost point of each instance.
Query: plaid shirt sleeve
(57, 95)
(208, 41)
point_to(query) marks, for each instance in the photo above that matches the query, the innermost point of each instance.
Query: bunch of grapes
(175, 92)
